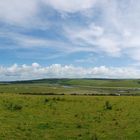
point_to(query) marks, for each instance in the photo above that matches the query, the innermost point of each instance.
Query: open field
(54, 114)
(73, 86)
(69, 117)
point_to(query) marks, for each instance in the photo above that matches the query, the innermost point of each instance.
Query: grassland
(52, 110)
(69, 118)
(73, 86)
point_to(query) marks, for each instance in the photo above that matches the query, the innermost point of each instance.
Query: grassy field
(73, 86)
(52, 110)
(69, 117)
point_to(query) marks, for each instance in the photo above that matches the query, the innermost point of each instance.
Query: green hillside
(88, 82)
(73, 86)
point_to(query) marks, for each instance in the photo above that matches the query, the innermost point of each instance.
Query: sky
(69, 39)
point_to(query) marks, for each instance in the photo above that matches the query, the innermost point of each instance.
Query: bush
(46, 100)
(78, 126)
(13, 106)
(108, 106)
(57, 99)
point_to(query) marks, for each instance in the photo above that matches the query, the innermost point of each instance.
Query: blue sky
(69, 38)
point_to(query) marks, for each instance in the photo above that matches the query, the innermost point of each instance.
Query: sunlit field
(59, 114)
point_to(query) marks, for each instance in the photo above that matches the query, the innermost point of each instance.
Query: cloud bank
(36, 71)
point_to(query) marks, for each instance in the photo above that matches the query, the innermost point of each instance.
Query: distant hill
(84, 82)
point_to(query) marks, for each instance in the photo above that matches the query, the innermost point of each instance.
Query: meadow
(66, 110)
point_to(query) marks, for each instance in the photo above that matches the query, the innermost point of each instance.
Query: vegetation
(60, 114)
(88, 82)
(69, 117)
(73, 86)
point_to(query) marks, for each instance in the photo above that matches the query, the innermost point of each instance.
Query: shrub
(108, 106)
(13, 106)
(57, 99)
(46, 100)
(79, 126)
(76, 115)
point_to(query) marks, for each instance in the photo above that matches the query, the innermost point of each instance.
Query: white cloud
(121, 19)
(70, 6)
(16, 11)
(134, 53)
(94, 38)
(28, 41)
(34, 71)
(20, 13)
(115, 33)
(35, 65)
(109, 46)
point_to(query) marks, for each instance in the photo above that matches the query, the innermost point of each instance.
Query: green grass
(69, 118)
(90, 82)
(44, 89)
(103, 83)
(74, 86)
(25, 115)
